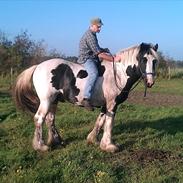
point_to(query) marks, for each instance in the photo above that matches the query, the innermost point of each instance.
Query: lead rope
(145, 89)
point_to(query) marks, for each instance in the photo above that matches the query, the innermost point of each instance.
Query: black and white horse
(39, 88)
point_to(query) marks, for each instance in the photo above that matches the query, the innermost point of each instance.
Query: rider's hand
(106, 50)
(117, 58)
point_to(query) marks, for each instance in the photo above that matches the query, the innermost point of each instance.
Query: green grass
(172, 87)
(176, 73)
(137, 128)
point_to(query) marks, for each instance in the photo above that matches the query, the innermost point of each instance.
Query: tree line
(22, 52)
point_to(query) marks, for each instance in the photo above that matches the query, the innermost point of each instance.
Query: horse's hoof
(54, 142)
(92, 140)
(42, 148)
(111, 148)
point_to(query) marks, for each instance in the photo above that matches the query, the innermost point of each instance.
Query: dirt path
(155, 99)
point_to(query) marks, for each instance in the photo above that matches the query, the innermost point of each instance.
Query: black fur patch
(63, 78)
(101, 70)
(82, 74)
(134, 75)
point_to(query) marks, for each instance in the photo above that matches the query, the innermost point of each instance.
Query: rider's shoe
(87, 105)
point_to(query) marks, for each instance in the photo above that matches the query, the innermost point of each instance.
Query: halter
(144, 74)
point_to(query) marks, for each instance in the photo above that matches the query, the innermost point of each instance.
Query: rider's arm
(108, 57)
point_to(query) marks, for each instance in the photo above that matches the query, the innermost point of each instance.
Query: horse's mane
(128, 49)
(137, 51)
(128, 55)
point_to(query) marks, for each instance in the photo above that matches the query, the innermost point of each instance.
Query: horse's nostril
(149, 85)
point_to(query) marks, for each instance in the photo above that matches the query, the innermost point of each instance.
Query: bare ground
(155, 99)
(144, 156)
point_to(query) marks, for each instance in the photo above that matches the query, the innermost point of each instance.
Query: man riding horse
(90, 54)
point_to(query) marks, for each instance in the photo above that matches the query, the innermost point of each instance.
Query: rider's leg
(92, 70)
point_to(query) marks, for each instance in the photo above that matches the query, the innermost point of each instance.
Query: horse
(39, 88)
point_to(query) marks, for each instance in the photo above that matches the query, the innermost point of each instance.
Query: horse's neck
(128, 57)
(123, 68)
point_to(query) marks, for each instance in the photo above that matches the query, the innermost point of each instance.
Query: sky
(61, 23)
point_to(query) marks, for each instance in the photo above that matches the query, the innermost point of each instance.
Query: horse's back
(55, 62)
(50, 75)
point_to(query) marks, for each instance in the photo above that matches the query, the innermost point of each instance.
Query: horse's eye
(154, 64)
(144, 60)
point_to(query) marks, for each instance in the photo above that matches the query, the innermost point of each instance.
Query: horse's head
(147, 62)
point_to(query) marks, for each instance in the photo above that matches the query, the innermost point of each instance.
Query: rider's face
(96, 28)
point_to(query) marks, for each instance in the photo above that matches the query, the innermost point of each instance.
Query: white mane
(128, 49)
(128, 55)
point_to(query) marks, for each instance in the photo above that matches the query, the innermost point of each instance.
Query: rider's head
(96, 24)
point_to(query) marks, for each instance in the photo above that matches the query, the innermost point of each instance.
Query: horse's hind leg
(38, 143)
(53, 135)
(92, 138)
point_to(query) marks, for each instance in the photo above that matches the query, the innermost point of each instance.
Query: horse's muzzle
(149, 80)
(149, 85)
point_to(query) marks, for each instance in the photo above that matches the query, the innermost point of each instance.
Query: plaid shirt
(88, 47)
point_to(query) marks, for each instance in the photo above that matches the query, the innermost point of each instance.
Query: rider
(89, 54)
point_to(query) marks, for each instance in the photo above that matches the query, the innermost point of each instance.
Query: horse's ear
(155, 47)
(142, 45)
(140, 54)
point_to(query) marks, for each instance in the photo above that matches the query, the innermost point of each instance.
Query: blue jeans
(92, 70)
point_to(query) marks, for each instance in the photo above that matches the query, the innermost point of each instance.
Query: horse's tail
(24, 95)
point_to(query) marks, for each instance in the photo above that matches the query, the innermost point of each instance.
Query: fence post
(11, 76)
(169, 73)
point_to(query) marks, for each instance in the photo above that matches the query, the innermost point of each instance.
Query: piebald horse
(39, 88)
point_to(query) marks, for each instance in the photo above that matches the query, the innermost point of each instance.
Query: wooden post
(11, 76)
(169, 73)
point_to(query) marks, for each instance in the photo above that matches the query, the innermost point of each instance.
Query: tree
(163, 66)
(22, 48)
(5, 52)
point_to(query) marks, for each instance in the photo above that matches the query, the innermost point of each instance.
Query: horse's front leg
(106, 143)
(93, 135)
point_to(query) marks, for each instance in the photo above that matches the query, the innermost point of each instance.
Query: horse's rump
(24, 95)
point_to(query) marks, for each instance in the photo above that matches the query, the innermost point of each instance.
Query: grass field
(150, 139)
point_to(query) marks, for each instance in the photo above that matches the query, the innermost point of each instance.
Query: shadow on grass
(3, 117)
(4, 94)
(164, 126)
(167, 125)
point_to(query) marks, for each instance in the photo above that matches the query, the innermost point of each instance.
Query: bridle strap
(144, 75)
